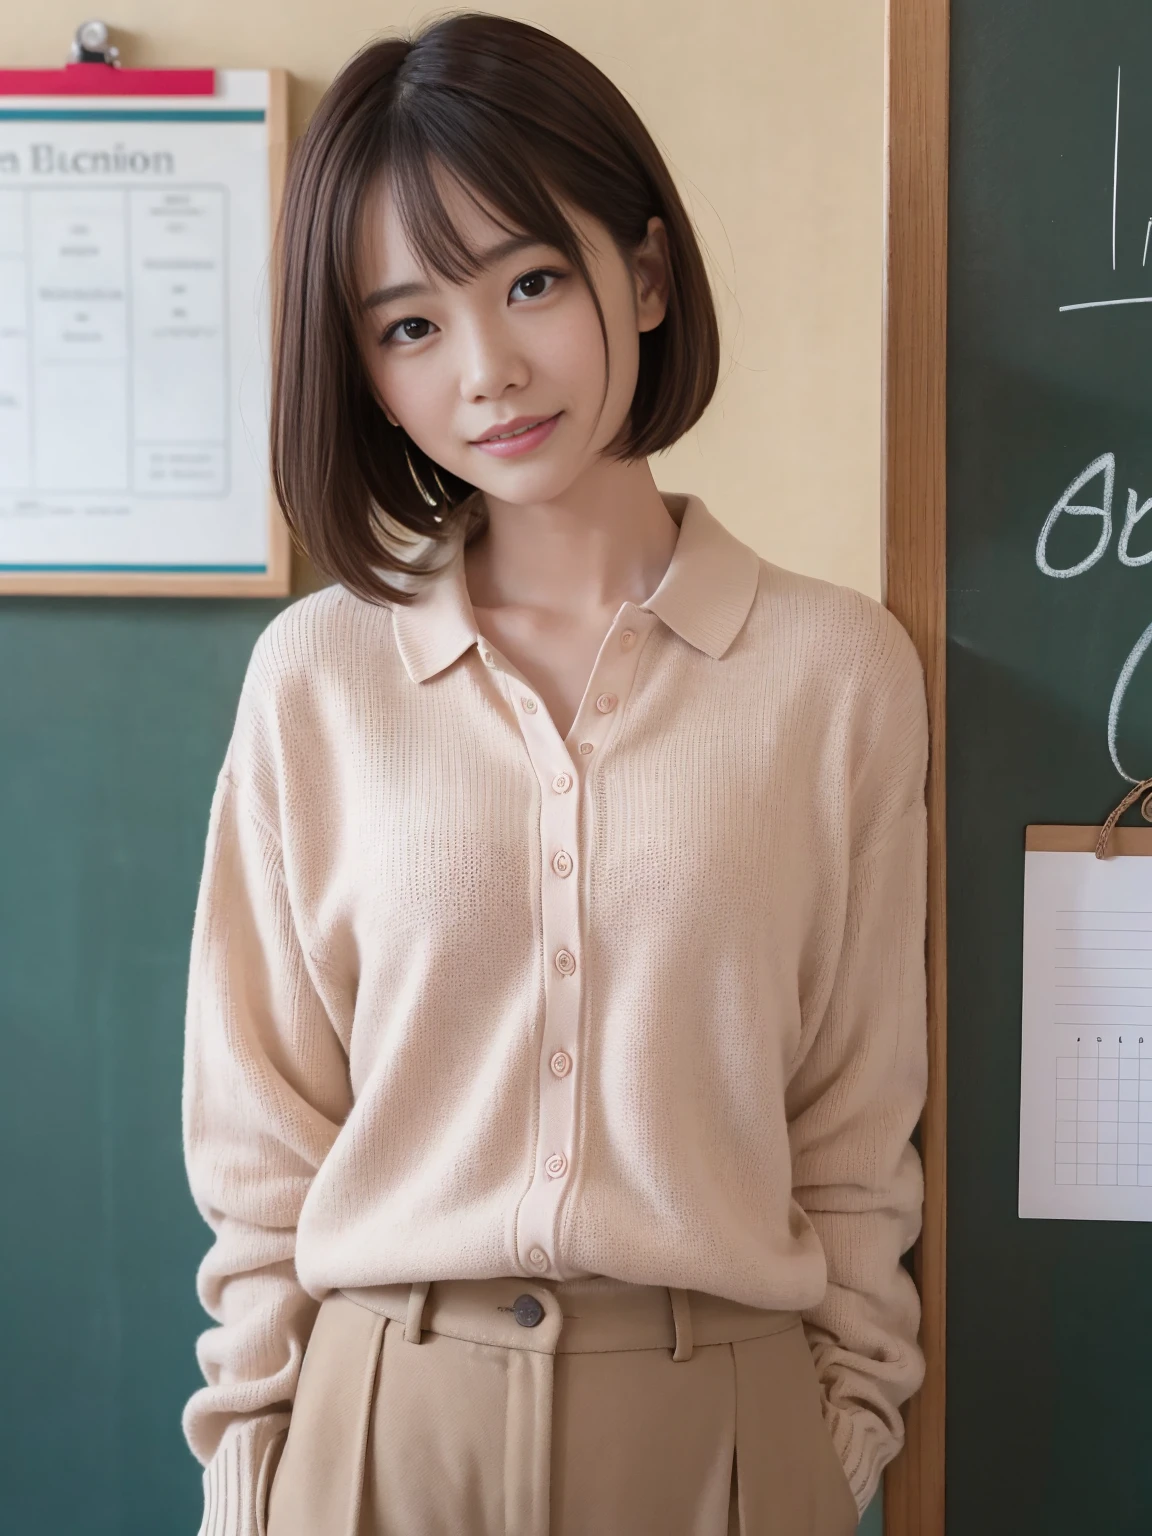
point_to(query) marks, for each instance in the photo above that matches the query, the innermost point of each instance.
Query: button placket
(611, 681)
(561, 797)
(538, 1220)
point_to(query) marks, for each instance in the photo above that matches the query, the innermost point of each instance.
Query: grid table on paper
(1104, 1112)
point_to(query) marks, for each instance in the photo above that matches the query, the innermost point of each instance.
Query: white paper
(134, 238)
(1086, 1058)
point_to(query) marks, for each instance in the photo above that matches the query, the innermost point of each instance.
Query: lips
(511, 439)
(507, 430)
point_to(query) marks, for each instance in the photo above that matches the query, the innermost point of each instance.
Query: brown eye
(412, 329)
(533, 285)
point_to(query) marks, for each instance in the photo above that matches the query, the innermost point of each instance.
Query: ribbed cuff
(865, 1448)
(238, 1479)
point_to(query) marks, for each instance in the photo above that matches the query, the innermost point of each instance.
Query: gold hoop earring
(419, 484)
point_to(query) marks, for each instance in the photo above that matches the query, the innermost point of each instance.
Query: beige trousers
(514, 1407)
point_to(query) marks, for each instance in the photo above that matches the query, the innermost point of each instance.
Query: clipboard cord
(1143, 788)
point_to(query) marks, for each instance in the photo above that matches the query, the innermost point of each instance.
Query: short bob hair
(526, 123)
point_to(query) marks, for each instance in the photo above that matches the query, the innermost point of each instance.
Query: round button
(627, 636)
(529, 704)
(606, 703)
(586, 747)
(489, 659)
(562, 783)
(565, 962)
(562, 863)
(527, 1310)
(561, 1063)
(538, 1258)
(556, 1165)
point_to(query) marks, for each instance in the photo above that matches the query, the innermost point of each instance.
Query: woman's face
(516, 350)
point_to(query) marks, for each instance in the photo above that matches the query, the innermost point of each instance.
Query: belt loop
(682, 1318)
(416, 1297)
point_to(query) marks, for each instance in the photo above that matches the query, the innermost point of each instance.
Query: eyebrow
(485, 259)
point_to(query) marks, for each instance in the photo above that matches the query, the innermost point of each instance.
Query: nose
(491, 365)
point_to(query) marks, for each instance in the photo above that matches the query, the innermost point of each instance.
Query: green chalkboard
(1049, 1322)
(114, 718)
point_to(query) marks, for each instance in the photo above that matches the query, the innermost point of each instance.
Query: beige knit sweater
(467, 999)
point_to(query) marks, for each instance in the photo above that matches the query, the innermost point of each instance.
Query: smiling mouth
(511, 433)
(504, 437)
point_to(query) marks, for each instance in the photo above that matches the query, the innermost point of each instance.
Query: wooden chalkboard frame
(914, 589)
(276, 578)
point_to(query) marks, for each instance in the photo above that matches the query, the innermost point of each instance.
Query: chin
(526, 485)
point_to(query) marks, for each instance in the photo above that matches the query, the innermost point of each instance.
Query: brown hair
(524, 122)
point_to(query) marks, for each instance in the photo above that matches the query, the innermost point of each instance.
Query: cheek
(412, 391)
(571, 350)
(623, 337)
(566, 345)
(377, 374)
(375, 360)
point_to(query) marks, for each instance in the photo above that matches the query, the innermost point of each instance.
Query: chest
(557, 658)
(444, 844)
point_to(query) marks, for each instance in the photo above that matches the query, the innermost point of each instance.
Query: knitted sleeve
(854, 1100)
(265, 1091)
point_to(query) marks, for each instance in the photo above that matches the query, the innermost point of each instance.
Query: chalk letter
(1134, 658)
(1106, 463)
(1131, 518)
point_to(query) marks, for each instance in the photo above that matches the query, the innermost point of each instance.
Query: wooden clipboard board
(1057, 838)
(1105, 841)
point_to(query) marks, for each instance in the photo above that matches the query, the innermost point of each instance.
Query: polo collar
(704, 595)
(707, 590)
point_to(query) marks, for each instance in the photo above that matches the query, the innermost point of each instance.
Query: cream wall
(771, 115)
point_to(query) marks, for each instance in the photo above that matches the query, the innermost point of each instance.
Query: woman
(556, 1007)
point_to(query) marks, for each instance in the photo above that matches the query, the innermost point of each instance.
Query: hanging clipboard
(1086, 1020)
(136, 216)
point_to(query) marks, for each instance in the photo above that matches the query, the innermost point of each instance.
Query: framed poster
(135, 232)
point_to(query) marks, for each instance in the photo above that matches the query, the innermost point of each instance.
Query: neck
(606, 541)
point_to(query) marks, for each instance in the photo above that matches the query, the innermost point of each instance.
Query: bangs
(502, 181)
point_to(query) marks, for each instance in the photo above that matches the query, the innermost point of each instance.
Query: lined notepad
(1086, 1049)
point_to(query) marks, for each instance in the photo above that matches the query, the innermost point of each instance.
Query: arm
(265, 1091)
(856, 1096)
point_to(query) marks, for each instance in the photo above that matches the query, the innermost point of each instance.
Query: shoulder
(313, 639)
(849, 658)
(302, 665)
(838, 631)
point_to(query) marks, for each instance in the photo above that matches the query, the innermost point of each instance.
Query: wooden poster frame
(914, 490)
(275, 580)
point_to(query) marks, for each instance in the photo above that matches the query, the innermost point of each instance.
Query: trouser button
(527, 1311)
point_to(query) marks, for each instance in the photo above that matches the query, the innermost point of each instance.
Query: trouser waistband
(569, 1317)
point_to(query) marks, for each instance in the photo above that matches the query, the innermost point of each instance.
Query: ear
(652, 272)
